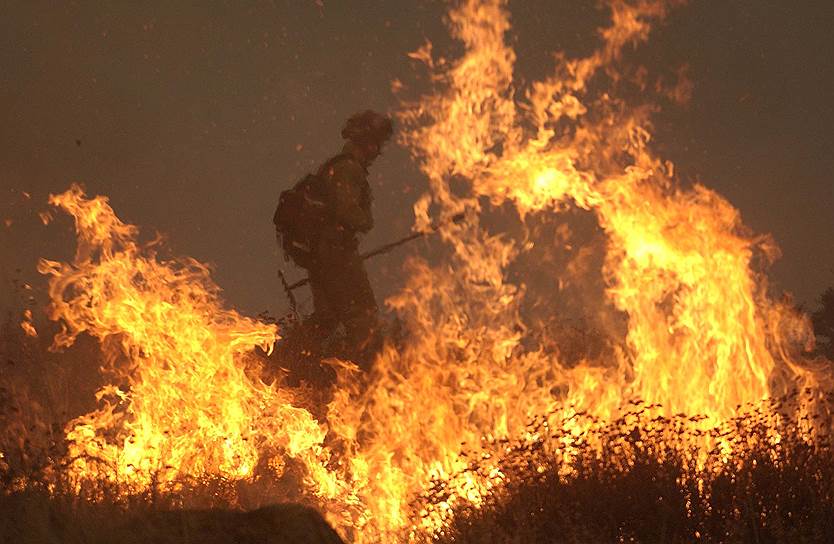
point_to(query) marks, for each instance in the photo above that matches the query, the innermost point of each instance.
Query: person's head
(369, 131)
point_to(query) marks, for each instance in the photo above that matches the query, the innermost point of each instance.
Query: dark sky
(192, 117)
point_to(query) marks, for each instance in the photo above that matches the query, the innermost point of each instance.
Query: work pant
(342, 295)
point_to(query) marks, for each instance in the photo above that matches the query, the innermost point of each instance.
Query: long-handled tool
(385, 248)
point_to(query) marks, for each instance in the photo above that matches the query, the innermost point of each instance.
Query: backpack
(303, 211)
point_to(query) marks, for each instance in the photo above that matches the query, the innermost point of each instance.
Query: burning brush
(445, 416)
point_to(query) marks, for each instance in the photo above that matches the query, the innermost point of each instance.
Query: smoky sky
(192, 117)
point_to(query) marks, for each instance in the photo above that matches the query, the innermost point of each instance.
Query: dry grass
(645, 485)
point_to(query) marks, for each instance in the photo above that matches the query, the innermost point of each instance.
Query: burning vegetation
(488, 413)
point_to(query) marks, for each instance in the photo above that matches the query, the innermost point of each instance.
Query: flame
(678, 261)
(701, 336)
(27, 325)
(181, 403)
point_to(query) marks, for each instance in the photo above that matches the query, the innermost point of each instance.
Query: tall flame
(700, 334)
(181, 403)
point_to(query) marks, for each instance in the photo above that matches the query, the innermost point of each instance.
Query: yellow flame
(182, 403)
(701, 335)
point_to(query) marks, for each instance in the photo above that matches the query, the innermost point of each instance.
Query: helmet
(368, 126)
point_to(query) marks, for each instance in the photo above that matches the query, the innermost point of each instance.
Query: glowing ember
(27, 325)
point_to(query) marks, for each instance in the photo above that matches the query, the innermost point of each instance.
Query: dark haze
(193, 117)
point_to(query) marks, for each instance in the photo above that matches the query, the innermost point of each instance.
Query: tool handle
(457, 218)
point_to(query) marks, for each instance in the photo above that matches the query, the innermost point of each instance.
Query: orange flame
(181, 403)
(701, 335)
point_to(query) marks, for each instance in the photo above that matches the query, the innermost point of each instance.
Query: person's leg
(324, 319)
(359, 313)
(305, 344)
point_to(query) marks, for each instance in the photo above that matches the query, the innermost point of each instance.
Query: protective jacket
(347, 192)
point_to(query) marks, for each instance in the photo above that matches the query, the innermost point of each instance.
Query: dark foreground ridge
(32, 518)
(276, 524)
